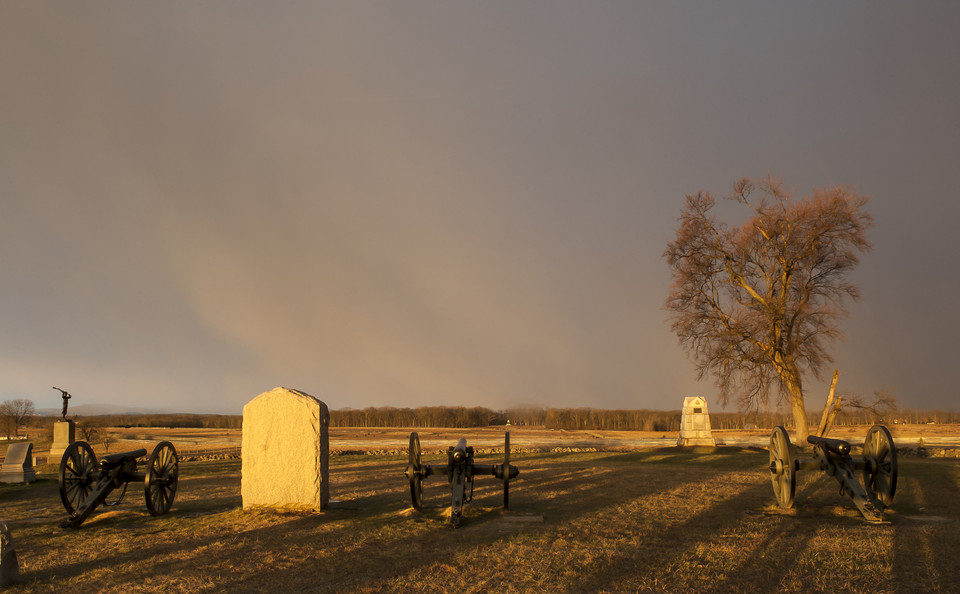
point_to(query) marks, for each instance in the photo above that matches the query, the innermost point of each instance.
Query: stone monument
(18, 464)
(9, 567)
(695, 423)
(285, 451)
(63, 431)
(63, 436)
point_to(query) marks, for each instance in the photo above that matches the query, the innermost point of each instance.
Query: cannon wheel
(78, 472)
(506, 471)
(782, 472)
(880, 464)
(413, 472)
(160, 482)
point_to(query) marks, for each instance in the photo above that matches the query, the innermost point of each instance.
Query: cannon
(877, 467)
(86, 483)
(460, 471)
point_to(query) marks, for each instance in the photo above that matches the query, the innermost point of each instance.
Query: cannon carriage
(877, 467)
(460, 470)
(86, 483)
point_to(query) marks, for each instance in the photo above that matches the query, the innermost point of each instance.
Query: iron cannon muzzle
(460, 451)
(505, 470)
(837, 446)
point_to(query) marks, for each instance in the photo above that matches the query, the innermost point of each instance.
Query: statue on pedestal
(66, 396)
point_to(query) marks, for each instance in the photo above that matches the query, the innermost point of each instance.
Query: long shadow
(785, 542)
(363, 541)
(429, 541)
(927, 541)
(300, 530)
(671, 543)
(579, 505)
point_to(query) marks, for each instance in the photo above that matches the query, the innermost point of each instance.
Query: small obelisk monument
(695, 423)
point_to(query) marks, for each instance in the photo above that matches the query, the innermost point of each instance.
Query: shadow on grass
(726, 457)
(927, 537)
(411, 544)
(668, 546)
(373, 542)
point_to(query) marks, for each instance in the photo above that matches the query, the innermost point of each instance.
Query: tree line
(13, 418)
(478, 416)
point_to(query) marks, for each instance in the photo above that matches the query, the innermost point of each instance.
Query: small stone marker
(695, 423)
(18, 464)
(9, 568)
(285, 451)
(64, 433)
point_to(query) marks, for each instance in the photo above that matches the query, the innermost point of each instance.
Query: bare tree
(6, 424)
(884, 403)
(756, 305)
(17, 412)
(89, 431)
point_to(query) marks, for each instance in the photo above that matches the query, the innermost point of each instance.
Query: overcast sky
(452, 202)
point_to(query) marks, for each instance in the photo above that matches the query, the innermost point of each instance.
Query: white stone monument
(695, 423)
(285, 451)
(18, 464)
(64, 433)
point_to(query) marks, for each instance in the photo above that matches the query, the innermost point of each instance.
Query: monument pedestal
(63, 436)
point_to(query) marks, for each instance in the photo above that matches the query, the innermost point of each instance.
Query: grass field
(654, 520)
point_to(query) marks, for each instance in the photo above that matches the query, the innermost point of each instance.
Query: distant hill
(93, 410)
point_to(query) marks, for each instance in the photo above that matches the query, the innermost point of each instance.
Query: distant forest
(551, 418)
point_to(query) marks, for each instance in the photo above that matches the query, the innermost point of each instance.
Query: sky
(448, 202)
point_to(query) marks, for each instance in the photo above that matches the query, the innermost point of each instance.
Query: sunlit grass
(654, 520)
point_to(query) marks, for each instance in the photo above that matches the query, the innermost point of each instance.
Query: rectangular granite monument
(285, 451)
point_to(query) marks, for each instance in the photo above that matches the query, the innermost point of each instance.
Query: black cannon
(460, 470)
(878, 467)
(85, 483)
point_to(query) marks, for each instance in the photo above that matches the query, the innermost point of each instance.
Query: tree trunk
(829, 408)
(799, 414)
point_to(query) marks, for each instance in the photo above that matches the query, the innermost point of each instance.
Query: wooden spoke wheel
(78, 473)
(414, 472)
(880, 464)
(506, 471)
(160, 482)
(782, 471)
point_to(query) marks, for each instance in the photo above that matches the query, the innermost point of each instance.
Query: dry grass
(654, 520)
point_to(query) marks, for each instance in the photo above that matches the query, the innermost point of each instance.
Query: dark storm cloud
(445, 202)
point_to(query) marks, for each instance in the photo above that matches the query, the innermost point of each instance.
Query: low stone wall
(403, 451)
(929, 452)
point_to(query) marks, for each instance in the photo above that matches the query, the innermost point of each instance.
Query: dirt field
(653, 519)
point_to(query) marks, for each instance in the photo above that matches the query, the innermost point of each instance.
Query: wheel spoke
(160, 483)
(880, 472)
(77, 471)
(782, 476)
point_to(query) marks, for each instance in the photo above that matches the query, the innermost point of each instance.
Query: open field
(355, 439)
(660, 519)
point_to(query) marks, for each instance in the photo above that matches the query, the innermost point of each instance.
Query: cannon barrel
(837, 446)
(460, 451)
(115, 459)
